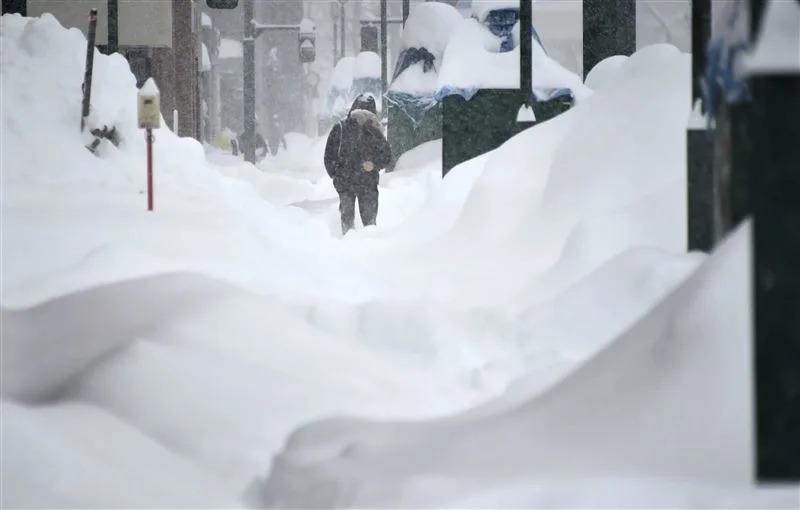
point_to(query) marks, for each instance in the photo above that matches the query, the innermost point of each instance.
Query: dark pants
(367, 205)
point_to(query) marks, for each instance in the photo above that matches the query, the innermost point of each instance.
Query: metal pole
(384, 39)
(701, 33)
(149, 137)
(343, 32)
(526, 47)
(113, 26)
(249, 84)
(87, 77)
(406, 9)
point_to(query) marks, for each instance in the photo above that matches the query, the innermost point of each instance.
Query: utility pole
(249, 83)
(343, 33)
(113, 27)
(775, 177)
(384, 39)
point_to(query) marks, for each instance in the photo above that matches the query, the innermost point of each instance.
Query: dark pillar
(384, 43)
(249, 84)
(525, 47)
(343, 33)
(700, 190)
(15, 7)
(609, 28)
(182, 42)
(406, 8)
(113, 27)
(776, 242)
(702, 199)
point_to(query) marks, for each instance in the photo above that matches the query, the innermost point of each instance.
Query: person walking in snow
(355, 152)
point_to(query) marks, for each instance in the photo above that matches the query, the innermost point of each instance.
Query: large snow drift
(162, 359)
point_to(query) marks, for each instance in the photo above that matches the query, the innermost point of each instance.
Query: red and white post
(149, 119)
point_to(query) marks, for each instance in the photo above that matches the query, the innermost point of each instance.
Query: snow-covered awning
(473, 62)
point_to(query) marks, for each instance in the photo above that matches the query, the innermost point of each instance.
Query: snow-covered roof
(206, 19)
(367, 65)
(481, 8)
(430, 25)
(342, 76)
(228, 48)
(472, 61)
(206, 59)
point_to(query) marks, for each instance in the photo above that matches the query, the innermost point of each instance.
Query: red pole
(149, 137)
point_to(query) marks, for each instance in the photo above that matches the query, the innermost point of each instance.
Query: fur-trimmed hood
(366, 117)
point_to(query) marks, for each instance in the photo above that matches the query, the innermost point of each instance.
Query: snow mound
(616, 417)
(604, 72)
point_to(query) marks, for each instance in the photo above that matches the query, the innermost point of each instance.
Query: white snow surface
(430, 25)
(342, 76)
(472, 60)
(527, 331)
(367, 65)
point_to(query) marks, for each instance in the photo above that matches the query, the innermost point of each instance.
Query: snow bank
(472, 61)
(612, 419)
(603, 73)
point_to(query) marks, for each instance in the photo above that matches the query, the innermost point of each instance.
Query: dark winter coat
(352, 142)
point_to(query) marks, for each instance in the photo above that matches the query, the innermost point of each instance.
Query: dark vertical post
(701, 33)
(384, 44)
(343, 33)
(609, 28)
(775, 175)
(15, 7)
(525, 47)
(700, 179)
(406, 9)
(249, 84)
(87, 76)
(113, 26)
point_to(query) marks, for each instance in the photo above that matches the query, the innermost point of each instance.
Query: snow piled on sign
(429, 25)
(367, 65)
(342, 76)
(472, 60)
(228, 48)
(535, 305)
(481, 8)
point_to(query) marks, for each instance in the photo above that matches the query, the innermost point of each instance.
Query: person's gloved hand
(368, 166)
